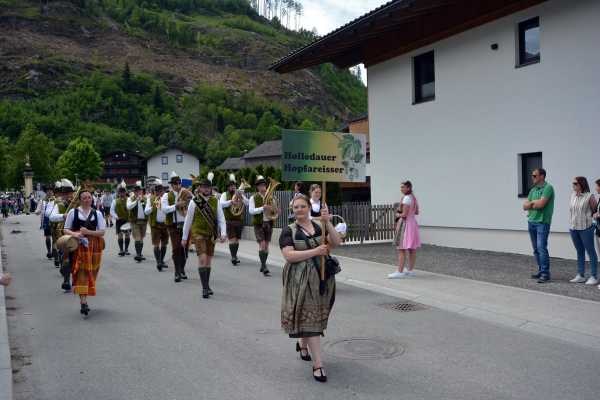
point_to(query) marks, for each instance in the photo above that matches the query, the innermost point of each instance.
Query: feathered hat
(122, 187)
(232, 180)
(174, 178)
(138, 185)
(66, 186)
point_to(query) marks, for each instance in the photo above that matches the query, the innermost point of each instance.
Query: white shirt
(189, 219)
(47, 208)
(160, 215)
(113, 209)
(315, 205)
(168, 209)
(407, 200)
(227, 203)
(56, 216)
(131, 203)
(253, 209)
(83, 217)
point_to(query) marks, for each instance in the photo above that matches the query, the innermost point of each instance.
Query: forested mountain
(144, 74)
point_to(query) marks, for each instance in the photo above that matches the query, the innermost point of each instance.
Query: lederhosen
(175, 228)
(263, 230)
(138, 226)
(234, 223)
(158, 230)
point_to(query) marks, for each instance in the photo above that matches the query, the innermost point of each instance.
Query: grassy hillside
(186, 72)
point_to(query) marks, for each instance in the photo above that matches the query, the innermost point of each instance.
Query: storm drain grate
(404, 306)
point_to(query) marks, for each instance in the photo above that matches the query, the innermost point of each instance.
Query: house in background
(122, 165)
(184, 164)
(266, 154)
(358, 191)
(465, 99)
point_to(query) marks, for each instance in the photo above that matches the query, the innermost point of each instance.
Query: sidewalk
(5, 362)
(560, 317)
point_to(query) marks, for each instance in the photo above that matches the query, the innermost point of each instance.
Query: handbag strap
(316, 260)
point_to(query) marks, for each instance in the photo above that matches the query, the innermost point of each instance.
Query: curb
(6, 378)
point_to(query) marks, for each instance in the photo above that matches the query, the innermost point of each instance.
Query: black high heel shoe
(84, 309)
(300, 350)
(319, 378)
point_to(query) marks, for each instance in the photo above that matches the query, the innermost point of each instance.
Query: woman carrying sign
(304, 310)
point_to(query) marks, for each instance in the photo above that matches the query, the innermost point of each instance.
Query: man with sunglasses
(540, 207)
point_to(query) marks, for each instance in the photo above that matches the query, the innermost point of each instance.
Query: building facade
(468, 100)
(184, 164)
(122, 165)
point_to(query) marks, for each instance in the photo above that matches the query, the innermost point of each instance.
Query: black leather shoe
(159, 267)
(137, 258)
(536, 276)
(266, 272)
(183, 275)
(321, 377)
(305, 357)
(49, 255)
(205, 293)
(177, 278)
(543, 279)
(66, 287)
(127, 253)
(84, 309)
(121, 254)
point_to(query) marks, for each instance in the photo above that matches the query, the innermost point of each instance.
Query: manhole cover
(403, 307)
(364, 349)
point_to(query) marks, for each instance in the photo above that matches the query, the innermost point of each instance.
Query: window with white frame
(164, 160)
(179, 158)
(165, 176)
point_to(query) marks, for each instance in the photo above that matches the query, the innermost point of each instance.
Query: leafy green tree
(41, 152)
(80, 160)
(5, 161)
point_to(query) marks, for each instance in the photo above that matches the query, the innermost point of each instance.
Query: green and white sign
(324, 156)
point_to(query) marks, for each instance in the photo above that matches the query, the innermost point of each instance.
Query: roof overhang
(396, 28)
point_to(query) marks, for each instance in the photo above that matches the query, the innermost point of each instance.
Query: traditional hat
(57, 186)
(260, 180)
(138, 185)
(122, 187)
(232, 180)
(207, 181)
(66, 186)
(174, 178)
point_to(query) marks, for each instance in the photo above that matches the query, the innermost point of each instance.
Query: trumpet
(271, 201)
(237, 202)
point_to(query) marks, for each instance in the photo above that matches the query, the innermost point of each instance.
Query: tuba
(237, 201)
(270, 200)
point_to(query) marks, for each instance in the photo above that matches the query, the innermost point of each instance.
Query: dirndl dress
(407, 229)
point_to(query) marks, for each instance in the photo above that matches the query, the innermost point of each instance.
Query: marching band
(74, 223)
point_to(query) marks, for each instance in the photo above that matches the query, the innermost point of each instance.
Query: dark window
(164, 160)
(165, 176)
(529, 162)
(529, 41)
(179, 158)
(424, 75)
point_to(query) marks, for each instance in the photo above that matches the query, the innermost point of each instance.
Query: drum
(126, 227)
(67, 243)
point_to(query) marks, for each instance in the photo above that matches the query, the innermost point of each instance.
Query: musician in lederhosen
(206, 222)
(136, 204)
(57, 219)
(263, 229)
(158, 227)
(119, 212)
(172, 205)
(233, 203)
(44, 210)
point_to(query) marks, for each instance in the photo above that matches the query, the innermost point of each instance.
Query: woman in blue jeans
(581, 210)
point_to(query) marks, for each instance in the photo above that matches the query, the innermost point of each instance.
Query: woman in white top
(581, 208)
(315, 200)
(87, 225)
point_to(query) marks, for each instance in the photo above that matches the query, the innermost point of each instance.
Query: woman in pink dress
(407, 232)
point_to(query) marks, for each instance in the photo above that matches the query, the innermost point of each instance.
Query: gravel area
(501, 268)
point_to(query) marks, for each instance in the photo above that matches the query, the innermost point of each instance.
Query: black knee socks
(163, 252)
(127, 240)
(48, 244)
(120, 241)
(263, 255)
(138, 248)
(233, 249)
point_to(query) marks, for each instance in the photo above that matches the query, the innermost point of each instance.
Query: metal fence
(366, 222)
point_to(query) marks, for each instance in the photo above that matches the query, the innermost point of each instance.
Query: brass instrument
(183, 201)
(237, 201)
(271, 201)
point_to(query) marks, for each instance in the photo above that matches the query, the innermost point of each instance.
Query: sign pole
(324, 233)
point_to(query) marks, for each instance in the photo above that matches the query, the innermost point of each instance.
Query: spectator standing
(540, 207)
(596, 217)
(407, 238)
(581, 209)
(107, 199)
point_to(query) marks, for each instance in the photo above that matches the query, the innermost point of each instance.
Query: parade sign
(323, 156)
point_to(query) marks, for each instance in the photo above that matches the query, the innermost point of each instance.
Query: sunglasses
(575, 183)
(534, 176)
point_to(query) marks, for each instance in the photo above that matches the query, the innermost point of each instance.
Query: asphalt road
(149, 338)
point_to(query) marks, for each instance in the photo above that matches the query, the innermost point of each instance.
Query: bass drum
(67, 243)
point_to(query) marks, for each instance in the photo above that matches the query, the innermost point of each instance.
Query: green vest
(134, 212)
(227, 210)
(152, 215)
(121, 209)
(200, 226)
(171, 199)
(258, 202)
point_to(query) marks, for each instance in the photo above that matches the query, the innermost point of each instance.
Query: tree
(41, 152)
(80, 160)
(5, 160)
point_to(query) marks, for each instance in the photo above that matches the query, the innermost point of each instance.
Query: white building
(464, 100)
(173, 159)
